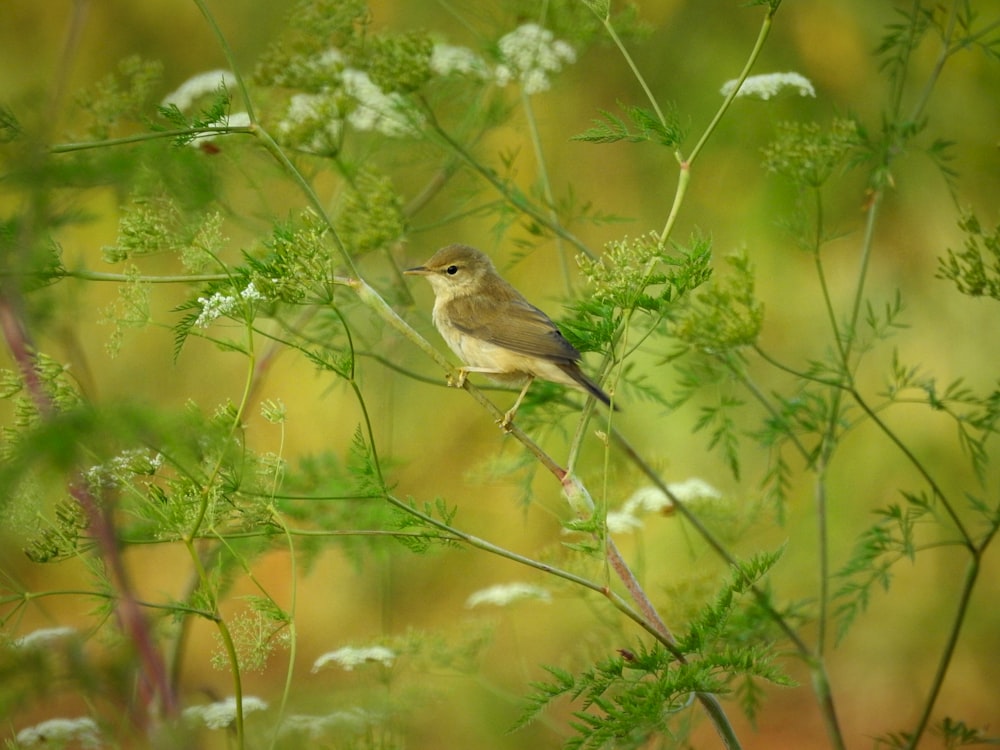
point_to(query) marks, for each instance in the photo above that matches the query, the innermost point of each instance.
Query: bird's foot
(458, 378)
(506, 422)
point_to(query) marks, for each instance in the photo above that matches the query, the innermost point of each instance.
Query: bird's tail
(590, 386)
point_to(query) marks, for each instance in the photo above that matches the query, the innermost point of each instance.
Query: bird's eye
(451, 270)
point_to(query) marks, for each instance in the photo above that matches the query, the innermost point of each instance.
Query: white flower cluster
(770, 84)
(198, 86)
(223, 304)
(388, 114)
(349, 720)
(368, 107)
(60, 733)
(133, 461)
(530, 55)
(221, 714)
(318, 114)
(652, 500)
(205, 84)
(42, 637)
(447, 59)
(350, 657)
(503, 594)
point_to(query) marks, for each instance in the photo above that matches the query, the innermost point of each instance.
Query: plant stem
(758, 47)
(513, 196)
(65, 148)
(153, 680)
(543, 176)
(230, 57)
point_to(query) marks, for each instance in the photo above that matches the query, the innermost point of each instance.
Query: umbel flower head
(197, 86)
(221, 714)
(530, 54)
(348, 657)
(503, 594)
(769, 85)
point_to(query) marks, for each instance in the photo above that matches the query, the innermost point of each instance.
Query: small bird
(496, 331)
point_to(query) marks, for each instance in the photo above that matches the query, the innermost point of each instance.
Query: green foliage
(120, 100)
(727, 315)
(975, 270)
(371, 216)
(888, 541)
(155, 224)
(314, 27)
(645, 126)
(807, 155)
(628, 698)
(639, 274)
(378, 138)
(213, 114)
(400, 63)
(10, 128)
(953, 734)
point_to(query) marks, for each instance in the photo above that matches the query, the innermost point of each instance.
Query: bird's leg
(507, 419)
(463, 375)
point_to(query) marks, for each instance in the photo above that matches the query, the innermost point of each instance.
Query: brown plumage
(494, 329)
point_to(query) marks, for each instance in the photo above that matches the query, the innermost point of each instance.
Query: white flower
(352, 720)
(349, 657)
(251, 293)
(503, 594)
(223, 304)
(651, 500)
(389, 114)
(61, 732)
(238, 120)
(131, 461)
(447, 59)
(43, 636)
(331, 61)
(214, 307)
(318, 115)
(221, 714)
(530, 54)
(770, 84)
(693, 489)
(196, 86)
(234, 120)
(621, 522)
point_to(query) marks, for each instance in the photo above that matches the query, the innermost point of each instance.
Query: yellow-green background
(440, 443)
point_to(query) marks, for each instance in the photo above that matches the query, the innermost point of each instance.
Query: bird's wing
(513, 324)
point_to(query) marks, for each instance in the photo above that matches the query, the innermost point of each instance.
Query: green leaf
(609, 130)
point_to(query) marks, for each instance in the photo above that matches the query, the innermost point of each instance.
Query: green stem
(610, 29)
(920, 468)
(230, 57)
(765, 30)
(65, 148)
(816, 666)
(944, 663)
(307, 190)
(124, 278)
(230, 647)
(513, 196)
(479, 543)
(543, 174)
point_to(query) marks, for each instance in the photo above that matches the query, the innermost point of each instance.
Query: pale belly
(503, 365)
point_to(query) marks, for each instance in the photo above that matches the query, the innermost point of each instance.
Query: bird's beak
(417, 271)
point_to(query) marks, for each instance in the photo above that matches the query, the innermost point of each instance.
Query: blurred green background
(438, 442)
